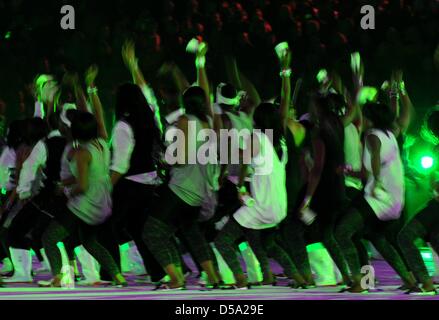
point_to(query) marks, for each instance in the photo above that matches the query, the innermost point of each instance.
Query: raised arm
(373, 143)
(202, 80)
(406, 110)
(241, 82)
(132, 63)
(92, 90)
(285, 101)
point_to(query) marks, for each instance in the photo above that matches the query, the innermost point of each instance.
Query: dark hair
(36, 130)
(194, 101)
(130, 102)
(15, 133)
(53, 120)
(84, 127)
(381, 116)
(267, 116)
(336, 103)
(228, 91)
(132, 107)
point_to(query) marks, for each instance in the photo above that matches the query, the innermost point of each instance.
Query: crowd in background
(320, 33)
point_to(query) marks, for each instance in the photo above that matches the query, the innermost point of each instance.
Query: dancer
(325, 190)
(190, 184)
(425, 224)
(257, 222)
(133, 169)
(23, 217)
(89, 203)
(383, 196)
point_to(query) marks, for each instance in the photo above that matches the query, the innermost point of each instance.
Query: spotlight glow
(427, 162)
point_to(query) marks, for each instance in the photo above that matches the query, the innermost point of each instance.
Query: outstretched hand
(91, 74)
(202, 50)
(129, 53)
(285, 60)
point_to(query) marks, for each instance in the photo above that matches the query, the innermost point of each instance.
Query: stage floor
(385, 290)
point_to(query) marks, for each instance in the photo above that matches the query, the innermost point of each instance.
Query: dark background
(321, 33)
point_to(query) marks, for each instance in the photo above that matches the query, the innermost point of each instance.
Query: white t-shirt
(31, 175)
(123, 144)
(388, 201)
(268, 189)
(7, 165)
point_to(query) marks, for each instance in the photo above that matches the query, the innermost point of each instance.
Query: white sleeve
(123, 146)
(4, 168)
(39, 110)
(28, 173)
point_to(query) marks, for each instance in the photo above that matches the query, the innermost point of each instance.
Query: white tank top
(389, 195)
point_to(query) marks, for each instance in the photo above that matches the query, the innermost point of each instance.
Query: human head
(267, 117)
(378, 116)
(227, 96)
(36, 129)
(129, 101)
(84, 127)
(15, 133)
(194, 102)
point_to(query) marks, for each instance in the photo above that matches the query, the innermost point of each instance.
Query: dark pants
(131, 206)
(361, 218)
(424, 225)
(67, 224)
(169, 215)
(262, 243)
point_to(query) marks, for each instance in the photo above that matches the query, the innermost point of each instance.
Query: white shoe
(144, 279)
(7, 267)
(22, 261)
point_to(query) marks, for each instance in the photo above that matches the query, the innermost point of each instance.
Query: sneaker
(421, 292)
(144, 279)
(281, 276)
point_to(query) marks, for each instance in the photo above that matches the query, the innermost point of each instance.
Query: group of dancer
(334, 175)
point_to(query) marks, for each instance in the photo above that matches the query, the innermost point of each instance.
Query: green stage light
(427, 162)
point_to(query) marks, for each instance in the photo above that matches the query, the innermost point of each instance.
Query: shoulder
(183, 121)
(122, 126)
(82, 154)
(373, 139)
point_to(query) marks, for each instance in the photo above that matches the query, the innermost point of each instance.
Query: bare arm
(129, 57)
(373, 143)
(285, 101)
(202, 79)
(315, 174)
(90, 77)
(241, 82)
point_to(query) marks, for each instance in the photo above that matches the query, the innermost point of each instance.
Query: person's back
(267, 187)
(193, 182)
(55, 148)
(330, 192)
(94, 206)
